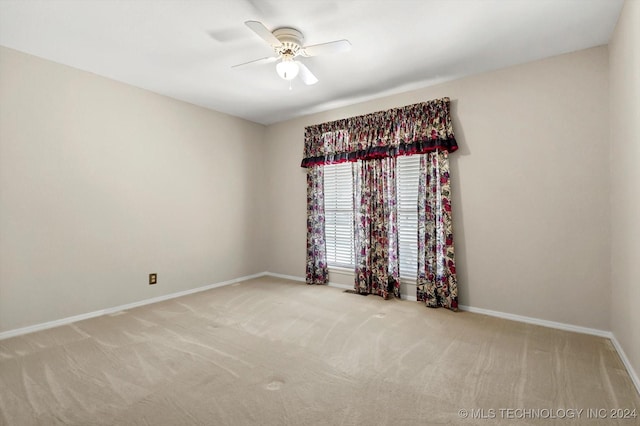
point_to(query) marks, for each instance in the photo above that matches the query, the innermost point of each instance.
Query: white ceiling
(185, 48)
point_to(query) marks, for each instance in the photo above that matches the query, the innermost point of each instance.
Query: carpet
(276, 352)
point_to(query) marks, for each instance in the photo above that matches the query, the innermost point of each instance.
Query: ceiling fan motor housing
(290, 39)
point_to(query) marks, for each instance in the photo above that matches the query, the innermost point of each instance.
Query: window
(338, 212)
(339, 215)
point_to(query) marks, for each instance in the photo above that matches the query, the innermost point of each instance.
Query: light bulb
(287, 69)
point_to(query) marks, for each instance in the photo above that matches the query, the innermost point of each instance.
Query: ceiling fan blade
(266, 60)
(262, 32)
(337, 46)
(306, 76)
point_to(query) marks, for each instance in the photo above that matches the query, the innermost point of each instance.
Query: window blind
(339, 215)
(408, 168)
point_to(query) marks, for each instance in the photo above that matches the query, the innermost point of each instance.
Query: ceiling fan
(287, 45)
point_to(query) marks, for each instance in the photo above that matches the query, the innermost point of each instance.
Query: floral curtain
(436, 281)
(373, 142)
(376, 228)
(317, 271)
(413, 129)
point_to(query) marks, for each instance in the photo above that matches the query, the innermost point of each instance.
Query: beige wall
(102, 183)
(530, 187)
(624, 58)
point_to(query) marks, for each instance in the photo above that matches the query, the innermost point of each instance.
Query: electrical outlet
(153, 279)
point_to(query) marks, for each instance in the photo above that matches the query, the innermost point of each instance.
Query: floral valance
(413, 129)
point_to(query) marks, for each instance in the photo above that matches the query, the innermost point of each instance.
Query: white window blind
(338, 211)
(407, 171)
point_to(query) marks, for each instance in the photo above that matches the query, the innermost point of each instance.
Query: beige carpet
(274, 352)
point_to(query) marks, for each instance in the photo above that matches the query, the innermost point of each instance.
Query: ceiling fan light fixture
(287, 69)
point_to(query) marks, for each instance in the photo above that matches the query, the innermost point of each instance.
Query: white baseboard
(537, 321)
(106, 311)
(623, 356)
